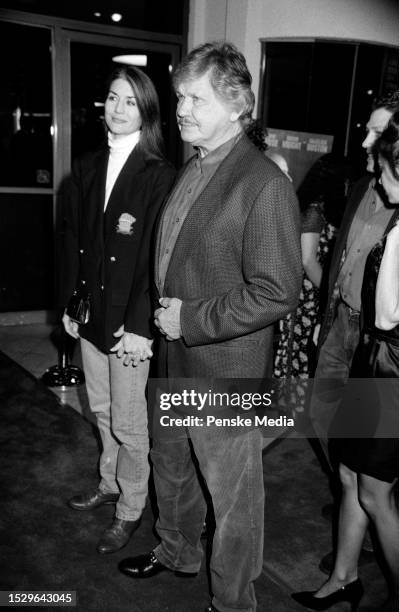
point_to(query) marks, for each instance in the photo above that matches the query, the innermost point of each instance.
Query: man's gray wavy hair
(228, 74)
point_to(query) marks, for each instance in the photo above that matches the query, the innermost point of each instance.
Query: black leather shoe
(117, 536)
(142, 566)
(146, 566)
(92, 499)
(351, 593)
(326, 565)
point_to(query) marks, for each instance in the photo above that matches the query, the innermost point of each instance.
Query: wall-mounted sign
(300, 150)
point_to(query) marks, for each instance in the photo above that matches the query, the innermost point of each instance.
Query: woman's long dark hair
(327, 183)
(151, 139)
(387, 144)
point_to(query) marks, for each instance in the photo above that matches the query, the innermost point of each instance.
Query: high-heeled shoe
(352, 593)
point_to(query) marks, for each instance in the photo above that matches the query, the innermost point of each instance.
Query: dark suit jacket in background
(114, 266)
(237, 267)
(358, 192)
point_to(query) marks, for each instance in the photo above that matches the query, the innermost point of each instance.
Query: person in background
(363, 223)
(369, 466)
(322, 198)
(280, 161)
(257, 134)
(116, 193)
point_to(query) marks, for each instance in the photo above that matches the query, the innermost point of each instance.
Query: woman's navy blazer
(110, 253)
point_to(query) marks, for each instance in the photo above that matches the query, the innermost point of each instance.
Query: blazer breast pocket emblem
(125, 224)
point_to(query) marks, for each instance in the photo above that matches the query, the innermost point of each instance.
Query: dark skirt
(365, 432)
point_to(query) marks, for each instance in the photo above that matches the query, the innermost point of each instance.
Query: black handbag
(79, 307)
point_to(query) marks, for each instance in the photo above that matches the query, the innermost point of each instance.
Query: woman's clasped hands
(131, 347)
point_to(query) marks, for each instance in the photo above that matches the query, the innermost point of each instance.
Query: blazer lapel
(118, 199)
(206, 206)
(94, 198)
(346, 224)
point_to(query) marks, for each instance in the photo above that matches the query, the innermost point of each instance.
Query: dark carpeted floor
(49, 452)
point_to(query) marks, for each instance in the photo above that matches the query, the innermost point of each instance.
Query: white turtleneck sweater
(119, 150)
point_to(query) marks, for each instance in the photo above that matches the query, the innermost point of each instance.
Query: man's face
(204, 120)
(376, 125)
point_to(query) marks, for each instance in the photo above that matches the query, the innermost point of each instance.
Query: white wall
(244, 22)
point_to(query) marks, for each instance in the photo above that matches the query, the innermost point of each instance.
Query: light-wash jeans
(117, 398)
(232, 469)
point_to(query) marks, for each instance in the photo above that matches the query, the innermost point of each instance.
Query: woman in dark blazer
(116, 193)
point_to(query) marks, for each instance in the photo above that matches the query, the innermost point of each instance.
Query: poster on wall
(299, 149)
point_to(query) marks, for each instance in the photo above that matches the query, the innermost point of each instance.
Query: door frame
(63, 32)
(62, 95)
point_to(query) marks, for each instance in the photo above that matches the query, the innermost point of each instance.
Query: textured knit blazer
(237, 268)
(109, 257)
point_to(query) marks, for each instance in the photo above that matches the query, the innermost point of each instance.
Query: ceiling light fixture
(116, 17)
(131, 60)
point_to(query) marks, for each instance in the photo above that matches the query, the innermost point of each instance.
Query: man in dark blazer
(363, 224)
(227, 267)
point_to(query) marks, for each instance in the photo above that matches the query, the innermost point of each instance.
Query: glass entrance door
(90, 66)
(52, 111)
(26, 168)
(88, 60)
